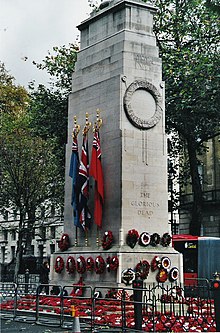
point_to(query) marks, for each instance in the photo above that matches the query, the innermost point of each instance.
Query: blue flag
(73, 173)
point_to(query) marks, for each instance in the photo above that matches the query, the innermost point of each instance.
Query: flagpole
(85, 133)
(76, 238)
(86, 238)
(96, 128)
(97, 238)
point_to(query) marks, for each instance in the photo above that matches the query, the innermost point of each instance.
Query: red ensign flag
(96, 172)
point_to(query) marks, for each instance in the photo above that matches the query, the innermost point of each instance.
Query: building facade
(209, 170)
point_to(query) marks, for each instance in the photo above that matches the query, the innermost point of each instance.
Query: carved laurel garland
(135, 120)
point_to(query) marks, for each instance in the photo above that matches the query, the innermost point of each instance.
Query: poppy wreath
(99, 265)
(128, 276)
(112, 263)
(174, 274)
(132, 238)
(142, 268)
(64, 242)
(162, 275)
(165, 240)
(81, 265)
(144, 239)
(107, 240)
(70, 265)
(165, 263)
(154, 239)
(59, 264)
(90, 264)
(155, 263)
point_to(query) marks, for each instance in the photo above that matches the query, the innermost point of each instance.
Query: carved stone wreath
(134, 118)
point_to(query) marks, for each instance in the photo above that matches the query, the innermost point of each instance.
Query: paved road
(12, 326)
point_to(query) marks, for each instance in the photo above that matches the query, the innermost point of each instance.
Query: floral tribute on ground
(198, 316)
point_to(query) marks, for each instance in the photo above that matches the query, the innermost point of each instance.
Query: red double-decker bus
(201, 256)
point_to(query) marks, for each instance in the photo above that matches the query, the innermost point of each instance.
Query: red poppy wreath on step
(70, 265)
(132, 238)
(90, 264)
(81, 265)
(64, 242)
(59, 264)
(144, 239)
(142, 268)
(112, 263)
(99, 265)
(107, 240)
(165, 240)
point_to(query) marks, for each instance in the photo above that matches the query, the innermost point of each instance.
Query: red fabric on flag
(97, 173)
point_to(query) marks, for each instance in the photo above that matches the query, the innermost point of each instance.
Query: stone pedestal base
(128, 258)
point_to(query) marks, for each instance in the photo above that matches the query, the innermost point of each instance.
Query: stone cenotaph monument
(119, 72)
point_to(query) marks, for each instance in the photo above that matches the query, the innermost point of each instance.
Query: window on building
(201, 173)
(41, 251)
(12, 252)
(52, 211)
(13, 234)
(43, 212)
(5, 215)
(5, 235)
(53, 232)
(3, 254)
(43, 232)
(15, 214)
(33, 233)
(32, 249)
(52, 248)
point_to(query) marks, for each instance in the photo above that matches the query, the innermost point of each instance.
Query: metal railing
(102, 309)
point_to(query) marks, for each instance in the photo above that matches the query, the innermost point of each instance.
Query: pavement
(14, 326)
(26, 326)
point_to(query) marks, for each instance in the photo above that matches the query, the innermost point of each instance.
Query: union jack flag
(83, 186)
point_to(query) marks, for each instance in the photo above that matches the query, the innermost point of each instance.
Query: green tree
(29, 176)
(48, 110)
(60, 64)
(13, 98)
(187, 33)
(49, 106)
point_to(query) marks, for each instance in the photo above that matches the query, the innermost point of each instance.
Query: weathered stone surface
(118, 64)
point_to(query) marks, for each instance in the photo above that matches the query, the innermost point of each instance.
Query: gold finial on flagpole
(87, 125)
(76, 128)
(98, 122)
(98, 241)
(86, 238)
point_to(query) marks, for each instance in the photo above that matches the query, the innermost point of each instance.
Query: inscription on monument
(142, 60)
(144, 205)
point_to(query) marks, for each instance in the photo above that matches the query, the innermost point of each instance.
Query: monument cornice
(114, 7)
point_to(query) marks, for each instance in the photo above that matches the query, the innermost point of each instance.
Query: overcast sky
(30, 28)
